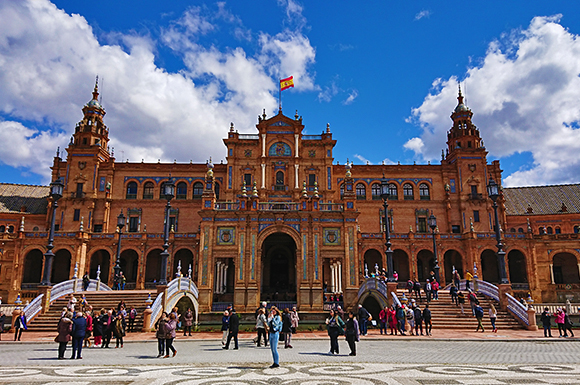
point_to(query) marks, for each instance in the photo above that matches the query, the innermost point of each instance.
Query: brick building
(282, 220)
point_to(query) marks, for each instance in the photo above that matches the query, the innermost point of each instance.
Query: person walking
(456, 279)
(87, 340)
(86, 281)
(187, 322)
(64, 334)
(453, 294)
(351, 331)
(461, 301)
(19, 326)
(225, 326)
(472, 301)
(567, 323)
(418, 315)
(261, 327)
(295, 319)
(363, 317)
(428, 290)
(72, 302)
(468, 278)
(400, 314)
(392, 320)
(335, 327)
(435, 289)
(546, 319)
(233, 329)
(170, 333)
(560, 322)
(478, 311)
(160, 334)
(275, 326)
(383, 320)
(98, 328)
(119, 328)
(427, 320)
(131, 317)
(79, 330)
(108, 324)
(410, 317)
(492, 317)
(417, 289)
(287, 328)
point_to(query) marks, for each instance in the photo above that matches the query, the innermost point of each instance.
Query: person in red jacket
(392, 320)
(383, 320)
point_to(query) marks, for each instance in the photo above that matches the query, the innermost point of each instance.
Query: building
(282, 220)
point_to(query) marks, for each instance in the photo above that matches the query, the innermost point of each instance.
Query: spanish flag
(286, 83)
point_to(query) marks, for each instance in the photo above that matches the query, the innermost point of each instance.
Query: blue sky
(174, 74)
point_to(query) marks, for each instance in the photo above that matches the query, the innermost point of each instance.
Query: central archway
(278, 268)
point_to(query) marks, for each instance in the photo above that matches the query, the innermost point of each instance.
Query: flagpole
(280, 94)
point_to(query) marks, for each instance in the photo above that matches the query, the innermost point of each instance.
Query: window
(197, 190)
(361, 191)
(393, 193)
(131, 190)
(382, 220)
(424, 192)
(77, 215)
(541, 231)
(148, 190)
(550, 230)
(520, 230)
(56, 228)
(558, 230)
(422, 225)
(512, 230)
(576, 229)
(172, 224)
(248, 180)
(342, 191)
(376, 191)
(2, 229)
(216, 190)
(84, 141)
(456, 229)
(133, 224)
(408, 192)
(181, 191)
(98, 228)
(474, 194)
(475, 215)
(35, 228)
(311, 179)
(279, 181)
(79, 193)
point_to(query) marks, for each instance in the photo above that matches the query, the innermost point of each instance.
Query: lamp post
(117, 268)
(432, 221)
(493, 192)
(169, 192)
(388, 252)
(56, 190)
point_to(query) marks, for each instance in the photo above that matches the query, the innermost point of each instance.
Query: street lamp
(56, 190)
(493, 192)
(169, 193)
(388, 252)
(117, 268)
(432, 221)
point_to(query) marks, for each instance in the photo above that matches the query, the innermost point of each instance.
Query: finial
(328, 128)
(189, 272)
(145, 228)
(529, 225)
(81, 227)
(71, 141)
(255, 191)
(264, 114)
(304, 191)
(178, 274)
(316, 190)
(98, 278)
(471, 224)
(58, 152)
(442, 155)
(244, 192)
(296, 115)
(21, 224)
(232, 127)
(172, 229)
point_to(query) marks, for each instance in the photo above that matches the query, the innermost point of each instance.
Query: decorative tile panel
(226, 236)
(331, 236)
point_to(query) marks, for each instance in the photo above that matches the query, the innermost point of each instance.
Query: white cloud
(524, 95)
(351, 97)
(326, 94)
(48, 60)
(362, 159)
(422, 14)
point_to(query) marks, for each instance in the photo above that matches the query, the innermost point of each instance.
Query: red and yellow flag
(286, 83)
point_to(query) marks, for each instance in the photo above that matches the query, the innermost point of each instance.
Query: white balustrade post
(263, 175)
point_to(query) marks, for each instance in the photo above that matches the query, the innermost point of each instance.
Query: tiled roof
(15, 196)
(542, 199)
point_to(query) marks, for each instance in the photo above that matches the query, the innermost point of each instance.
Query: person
(275, 326)
(187, 321)
(108, 323)
(98, 328)
(409, 315)
(427, 320)
(453, 294)
(64, 334)
(417, 289)
(131, 317)
(233, 329)
(121, 305)
(546, 319)
(461, 301)
(86, 281)
(72, 301)
(352, 336)
(87, 339)
(335, 327)
(79, 330)
(400, 314)
(170, 333)
(287, 328)
(122, 280)
(492, 317)
(363, 318)
(456, 279)
(19, 326)
(262, 327)
(410, 286)
(560, 322)
(225, 326)
(84, 304)
(478, 311)
(383, 320)
(468, 278)
(472, 301)
(295, 319)
(2, 321)
(119, 329)
(160, 334)
(428, 290)
(418, 315)
(339, 311)
(567, 323)
(392, 320)
(395, 276)
(435, 289)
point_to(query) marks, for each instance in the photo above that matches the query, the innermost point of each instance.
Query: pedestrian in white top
(492, 317)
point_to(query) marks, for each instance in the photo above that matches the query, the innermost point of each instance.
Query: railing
(249, 136)
(226, 206)
(34, 307)
(571, 309)
(331, 207)
(332, 305)
(488, 289)
(156, 308)
(518, 309)
(181, 284)
(220, 306)
(395, 298)
(278, 206)
(311, 137)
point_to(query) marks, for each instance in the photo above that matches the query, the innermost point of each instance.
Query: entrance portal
(278, 268)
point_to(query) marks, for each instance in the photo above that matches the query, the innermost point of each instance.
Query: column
(296, 145)
(225, 277)
(331, 288)
(263, 145)
(263, 175)
(339, 276)
(296, 175)
(552, 272)
(217, 278)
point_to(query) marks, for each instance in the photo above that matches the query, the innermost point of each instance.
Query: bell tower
(464, 135)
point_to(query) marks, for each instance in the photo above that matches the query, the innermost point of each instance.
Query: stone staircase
(48, 321)
(448, 315)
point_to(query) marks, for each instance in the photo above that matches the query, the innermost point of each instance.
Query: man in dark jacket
(79, 329)
(547, 322)
(453, 294)
(363, 318)
(418, 315)
(478, 311)
(427, 320)
(234, 327)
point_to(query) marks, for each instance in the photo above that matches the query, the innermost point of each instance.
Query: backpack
(478, 312)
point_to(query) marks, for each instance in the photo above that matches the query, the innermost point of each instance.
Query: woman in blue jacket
(275, 325)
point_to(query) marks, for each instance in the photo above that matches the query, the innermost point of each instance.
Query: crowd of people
(562, 319)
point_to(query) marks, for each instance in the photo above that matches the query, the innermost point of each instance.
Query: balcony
(475, 196)
(311, 137)
(332, 207)
(249, 136)
(278, 206)
(79, 194)
(227, 206)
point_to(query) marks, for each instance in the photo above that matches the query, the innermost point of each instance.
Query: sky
(173, 75)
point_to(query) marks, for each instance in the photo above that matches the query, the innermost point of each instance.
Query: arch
(376, 191)
(2, 229)
(197, 190)
(280, 149)
(361, 191)
(153, 266)
(393, 192)
(186, 257)
(280, 178)
(565, 268)
(424, 193)
(372, 257)
(518, 271)
(550, 230)
(280, 229)
(425, 264)
(452, 258)
(130, 264)
(32, 267)
(401, 265)
(148, 190)
(100, 257)
(408, 192)
(181, 190)
(61, 266)
(373, 306)
(279, 277)
(172, 301)
(489, 266)
(131, 191)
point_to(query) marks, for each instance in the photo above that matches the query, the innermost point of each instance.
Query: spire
(96, 89)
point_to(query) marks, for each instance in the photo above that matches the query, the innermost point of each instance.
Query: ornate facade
(282, 220)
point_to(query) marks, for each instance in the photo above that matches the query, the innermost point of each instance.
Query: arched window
(148, 188)
(217, 190)
(376, 191)
(550, 230)
(393, 192)
(408, 192)
(513, 230)
(2, 229)
(361, 191)
(424, 192)
(576, 229)
(279, 181)
(131, 190)
(342, 191)
(181, 191)
(520, 230)
(10, 229)
(558, 230)
(541, 230)
(197, 190)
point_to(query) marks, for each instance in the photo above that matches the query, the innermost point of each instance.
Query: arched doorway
(61, 266)
(425, 264)
(186, 258)
(401, 265)
(565, 268)
(183, 304)
(489, 266)
(452, 259)
(153, 266)
(373, 307)
(517, 267)
(279, 268)
(373, 257)
(32, 267)
(100, 258)
(129, 266)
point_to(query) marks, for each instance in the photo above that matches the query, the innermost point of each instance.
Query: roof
(542, 199)
(13, 197)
